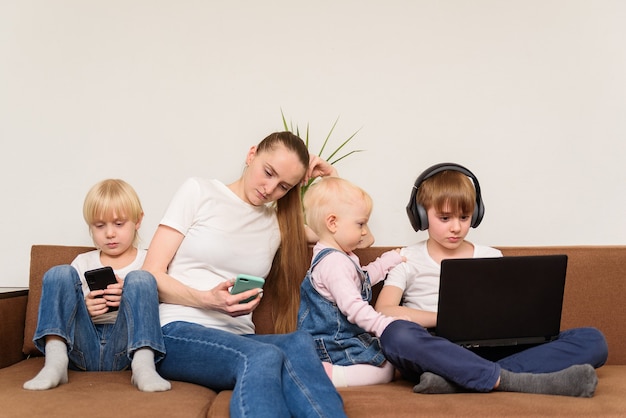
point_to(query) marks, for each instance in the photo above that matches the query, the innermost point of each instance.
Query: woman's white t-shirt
(224, 236)
(419, 276)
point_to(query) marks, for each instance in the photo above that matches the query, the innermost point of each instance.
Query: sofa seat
(397, 400)
(96, 394)
(86, 391)
(594, 296)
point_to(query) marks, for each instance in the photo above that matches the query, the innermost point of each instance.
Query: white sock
(145, 376)
(54, 371)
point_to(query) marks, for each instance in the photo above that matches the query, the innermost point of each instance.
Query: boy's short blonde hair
(451, 188)
(112, 196)
(327, 195)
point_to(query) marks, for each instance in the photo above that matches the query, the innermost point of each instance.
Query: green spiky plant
(332, 158)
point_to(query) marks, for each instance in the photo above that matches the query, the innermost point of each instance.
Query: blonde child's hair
(451, 188)
(327, 195)
(112, 196)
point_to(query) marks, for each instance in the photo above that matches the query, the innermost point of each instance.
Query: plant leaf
(344, 156)
(342, 145)
(296, 130)
(284, 120)
(328, 137)
(306, 140)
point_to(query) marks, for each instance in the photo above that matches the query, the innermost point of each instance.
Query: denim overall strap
(366, 284)
(318, 257)
(337, 340)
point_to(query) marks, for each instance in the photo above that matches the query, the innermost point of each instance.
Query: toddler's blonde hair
(327, 195)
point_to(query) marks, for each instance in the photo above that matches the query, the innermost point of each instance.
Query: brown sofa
(595, 295)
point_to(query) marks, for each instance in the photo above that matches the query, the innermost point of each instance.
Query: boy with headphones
(446, 200)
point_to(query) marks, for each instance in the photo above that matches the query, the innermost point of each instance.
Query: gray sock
(54, 371)
(145, 376)
(433, 383)
(579, 380)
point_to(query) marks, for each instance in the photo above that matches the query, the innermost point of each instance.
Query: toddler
(336, 292)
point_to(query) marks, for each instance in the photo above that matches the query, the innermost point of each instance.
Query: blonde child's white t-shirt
(91, 260)
(223, 236)
(418, 277)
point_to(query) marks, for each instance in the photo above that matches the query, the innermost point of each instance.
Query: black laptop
(504, 301)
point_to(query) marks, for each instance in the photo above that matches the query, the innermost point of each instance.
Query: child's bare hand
(96, 304)
(398, 251)
(113, 293)
(100, 301)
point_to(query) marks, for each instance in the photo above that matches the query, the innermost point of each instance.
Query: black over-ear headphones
(417, 213)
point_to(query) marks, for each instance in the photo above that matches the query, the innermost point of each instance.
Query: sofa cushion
(46, 256)
(397, 400)
(97, 394)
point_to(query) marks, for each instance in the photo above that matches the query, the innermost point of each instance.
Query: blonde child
(336, 292)
(74, 321)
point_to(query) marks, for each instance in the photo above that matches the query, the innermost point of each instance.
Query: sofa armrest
(12, 317)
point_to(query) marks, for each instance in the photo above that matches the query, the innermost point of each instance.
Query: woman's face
(271, 174)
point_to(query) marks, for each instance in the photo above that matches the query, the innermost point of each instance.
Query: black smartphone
(99, 279)
(245, 282)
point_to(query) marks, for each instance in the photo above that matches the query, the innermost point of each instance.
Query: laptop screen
(501, 301)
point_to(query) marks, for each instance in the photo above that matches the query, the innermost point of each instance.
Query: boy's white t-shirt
(224, 236)
(91, 260)
(418, 277)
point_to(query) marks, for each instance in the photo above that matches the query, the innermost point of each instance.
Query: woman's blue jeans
(271, 375)
(102, 347)
(413, 350)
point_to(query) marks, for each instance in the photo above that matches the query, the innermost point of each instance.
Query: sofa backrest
(42, 259)
(595, 289)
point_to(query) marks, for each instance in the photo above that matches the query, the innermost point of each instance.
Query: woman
(210, 233)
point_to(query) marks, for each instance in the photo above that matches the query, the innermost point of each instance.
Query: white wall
(529, 94)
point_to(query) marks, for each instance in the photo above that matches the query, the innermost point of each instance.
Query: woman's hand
(319, 167)
(101, 301)
(220, 299)
(163, 247)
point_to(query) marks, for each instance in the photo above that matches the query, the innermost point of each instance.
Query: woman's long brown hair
(291, 260)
